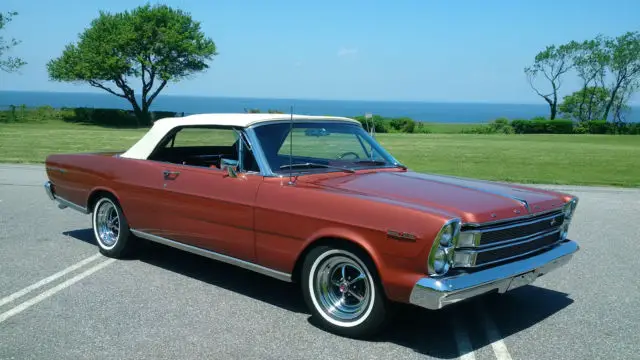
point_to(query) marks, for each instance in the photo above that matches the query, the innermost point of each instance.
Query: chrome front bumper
(435, 293)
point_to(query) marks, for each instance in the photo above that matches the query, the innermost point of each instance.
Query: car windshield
(320, 147)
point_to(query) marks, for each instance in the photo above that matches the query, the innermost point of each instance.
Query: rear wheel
(111, 229)
(342, 290)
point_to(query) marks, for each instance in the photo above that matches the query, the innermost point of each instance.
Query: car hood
(474, 201)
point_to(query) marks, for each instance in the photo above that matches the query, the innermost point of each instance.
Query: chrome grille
(514, 231)
(489, 244)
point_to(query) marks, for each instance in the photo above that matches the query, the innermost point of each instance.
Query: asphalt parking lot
(60, 300)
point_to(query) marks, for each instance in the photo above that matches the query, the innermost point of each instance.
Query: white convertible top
(143, 148)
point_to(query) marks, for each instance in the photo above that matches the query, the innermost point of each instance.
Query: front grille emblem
(553, 222)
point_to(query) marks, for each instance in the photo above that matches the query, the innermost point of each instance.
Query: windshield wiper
(310, 164)
(380, 162)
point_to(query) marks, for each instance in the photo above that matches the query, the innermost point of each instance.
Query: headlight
(441, 255)
(569, 208)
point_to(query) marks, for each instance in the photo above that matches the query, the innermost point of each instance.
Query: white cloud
(343, 52)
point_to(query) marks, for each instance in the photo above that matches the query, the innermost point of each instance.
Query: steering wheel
(341, 156)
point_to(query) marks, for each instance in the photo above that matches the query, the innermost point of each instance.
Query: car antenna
(291, 182)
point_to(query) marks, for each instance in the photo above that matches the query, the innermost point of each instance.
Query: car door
(202, 205)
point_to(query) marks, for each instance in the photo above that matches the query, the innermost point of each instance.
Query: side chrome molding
(214, 255)
(64, 203)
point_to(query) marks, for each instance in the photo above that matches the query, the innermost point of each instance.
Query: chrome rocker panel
(436, 293)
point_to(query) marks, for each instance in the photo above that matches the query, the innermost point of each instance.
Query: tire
(113, 237)
(364, 307)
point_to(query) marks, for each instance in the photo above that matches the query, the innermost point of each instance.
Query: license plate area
(522, 280)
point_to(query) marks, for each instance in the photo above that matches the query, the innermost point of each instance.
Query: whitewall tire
(110, 228)
(341, 288)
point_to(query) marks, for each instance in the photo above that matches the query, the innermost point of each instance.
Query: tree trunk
(554, 104)
(138, 112)
(590, 107)
(581, 108)
(612, 98)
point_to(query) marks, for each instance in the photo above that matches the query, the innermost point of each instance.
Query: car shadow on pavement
(246, 282)
(427, 332)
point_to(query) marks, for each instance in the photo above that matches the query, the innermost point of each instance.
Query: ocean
(420, 111)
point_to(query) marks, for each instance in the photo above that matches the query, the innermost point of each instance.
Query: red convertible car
(318, 201)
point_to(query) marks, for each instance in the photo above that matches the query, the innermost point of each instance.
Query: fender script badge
(401, 235)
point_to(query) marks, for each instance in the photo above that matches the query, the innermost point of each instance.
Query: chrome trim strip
(64, 203)
(513, 219)
(437, 292)
(508, 226)
(258, 154)
(214, 255)
(474, 253)
(512, 241)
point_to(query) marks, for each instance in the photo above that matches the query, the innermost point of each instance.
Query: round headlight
(564, 231)
(441, 261)
(446, 239)
(569, 208)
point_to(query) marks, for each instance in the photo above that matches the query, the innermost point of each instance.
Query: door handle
(168, 173)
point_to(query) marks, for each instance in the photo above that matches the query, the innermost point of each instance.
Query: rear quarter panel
(77, 176)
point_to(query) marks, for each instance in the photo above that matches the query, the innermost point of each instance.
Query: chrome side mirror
(232, 172)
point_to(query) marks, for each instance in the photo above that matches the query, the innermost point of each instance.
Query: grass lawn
(551, 159)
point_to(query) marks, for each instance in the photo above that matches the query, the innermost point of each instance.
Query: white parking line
(462, 341)
(33, 301)
(499, 347)
(45, 281)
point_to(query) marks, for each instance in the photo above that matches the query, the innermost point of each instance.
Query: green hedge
(542, 126)
(93, 116)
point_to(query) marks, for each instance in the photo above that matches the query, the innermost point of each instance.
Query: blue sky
(468, 51)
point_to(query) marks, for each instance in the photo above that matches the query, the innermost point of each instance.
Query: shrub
(403, 125)
(540, 125)
(421, 128)
(497, 126)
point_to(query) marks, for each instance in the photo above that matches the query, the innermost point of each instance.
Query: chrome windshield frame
(261, 159)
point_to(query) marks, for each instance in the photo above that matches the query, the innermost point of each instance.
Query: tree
(155, 44)
(553, 62)
(624, 68)
(590, 61)
(573, 105)
(9, 64)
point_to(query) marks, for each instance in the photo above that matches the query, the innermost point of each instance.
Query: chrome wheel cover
(107, 224)
(342, 288)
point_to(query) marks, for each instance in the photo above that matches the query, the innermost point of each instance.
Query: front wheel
(111, 229)
(342, 290)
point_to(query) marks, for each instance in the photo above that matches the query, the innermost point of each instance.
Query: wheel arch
(339, 241)
(97, 193)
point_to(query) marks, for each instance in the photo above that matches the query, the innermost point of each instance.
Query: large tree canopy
(9, 63)
(153, 44)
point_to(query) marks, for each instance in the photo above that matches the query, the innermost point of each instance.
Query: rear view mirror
(316, 132)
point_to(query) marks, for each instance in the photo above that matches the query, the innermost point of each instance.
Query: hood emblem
(516, 211)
